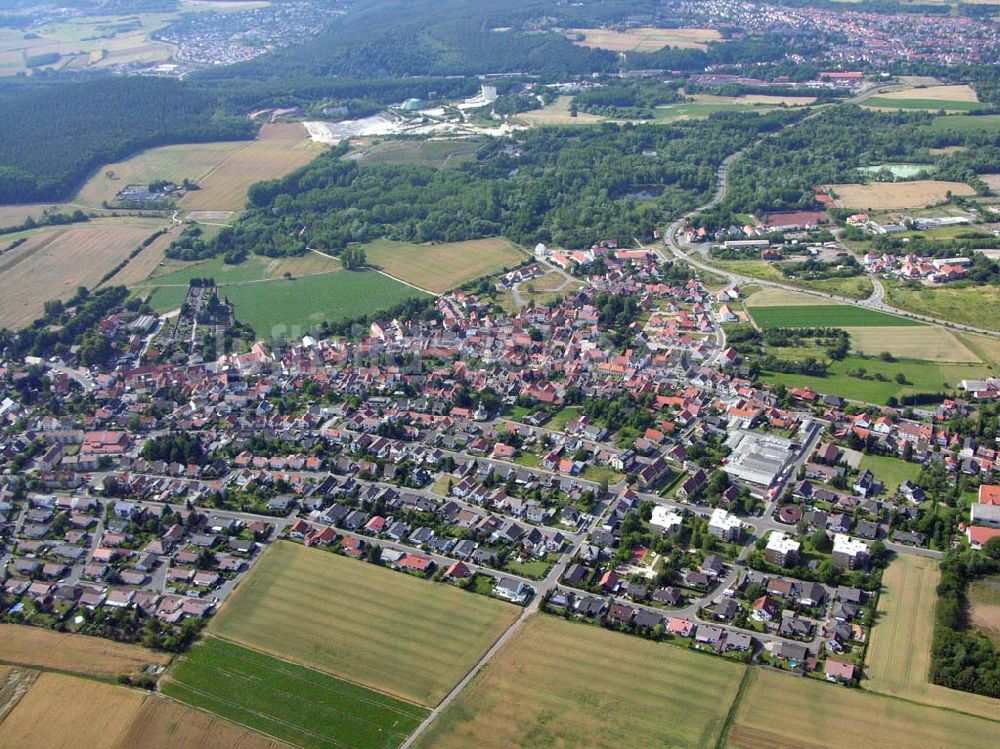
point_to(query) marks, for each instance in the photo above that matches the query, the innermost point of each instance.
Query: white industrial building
(758, 458)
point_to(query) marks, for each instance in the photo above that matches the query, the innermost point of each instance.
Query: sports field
(348, 618)
(64, 712)
(162, 723)
(926, 342)
(781, 710)
(567, 684)
(440, 267)
(299, 705)
(56, 260)
(894, 196)
(647, 39)
(899, 654)
(91, 656)
(825, 316)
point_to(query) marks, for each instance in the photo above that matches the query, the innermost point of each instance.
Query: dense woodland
(568, 186)
(962, 657)
(52, 137)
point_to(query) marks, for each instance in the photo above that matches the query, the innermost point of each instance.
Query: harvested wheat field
(895, 196)
(647, 39)
(927, 343)
(567, 684)
(67, 712)
(961, 92)
(165, 724)
(765, 99)
(785, 711)
(90, 656)
(344, 617)
(54, 262)
(142, 265)
(278, 150)
(899, 654)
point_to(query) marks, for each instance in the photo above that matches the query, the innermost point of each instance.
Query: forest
(570, 187)
(52, 137)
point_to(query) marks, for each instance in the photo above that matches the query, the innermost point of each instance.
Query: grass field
(891, 472)
(984, 606)
(557, 113)
(825, 315)
(278, 150)
(162, 723)
(986, 123)
(699, 110)
(565, 684)
(858, 287)
(922, 377)
(146, 262)
(558, 422)
(66, 712)
(345, 617)
(972, 305)
(647, 39)
(281, 307)
(304, 707)
(436, 153)
(56, 260)
(927, 343)
(89, 656)
(893, 196)
(752, 99)
(985, 347)
(440, 267)
(766, 297)
(783, 711)
(962, 93)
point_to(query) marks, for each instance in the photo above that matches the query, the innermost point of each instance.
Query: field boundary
(727, 724)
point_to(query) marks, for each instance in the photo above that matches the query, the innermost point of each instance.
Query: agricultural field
(162, 723)
(971, 305)
(769, 297)
(825, 316)
(566, 684)
(985, 347)
(304, 707)
(780, 710)
(277, 150)
(952, 93)
(647, 39)
(921, 377)
(58, 712)
(344, 617)
(89, 656)
(894, 196)
(430, 152)
(146, 262)
(699, 110)
(927, 343)
(891, 472)
(557, 113)
(56, 260)
(963, 123)
(172, 163)
(441, 267)
(984, 607)
(772, 100)
(857, 287)
(887, 103)
(899, 654)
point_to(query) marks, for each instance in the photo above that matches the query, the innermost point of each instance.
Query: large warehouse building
(758, 458)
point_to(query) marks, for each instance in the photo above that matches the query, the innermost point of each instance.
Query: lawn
(971, 305)
(441, 267)
(600, 473)
(781, 710)
(535, 569)
(891, 472)
(825, 316)
(563, 417)
(295, 704)
(899, 654)
(566, 684)
(921, 377)
(346, 618)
